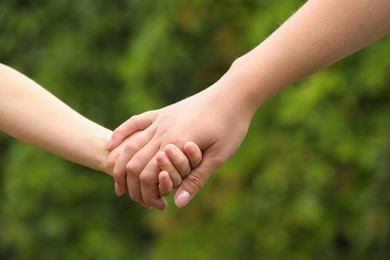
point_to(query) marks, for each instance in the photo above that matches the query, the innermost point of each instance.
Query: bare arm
(30, 113)
(319, 34)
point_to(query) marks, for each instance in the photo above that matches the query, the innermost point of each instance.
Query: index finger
(134, 124)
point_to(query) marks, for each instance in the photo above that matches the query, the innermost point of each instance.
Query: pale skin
(319, 34)
(31, 114)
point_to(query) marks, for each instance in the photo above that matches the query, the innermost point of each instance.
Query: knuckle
(146, 179)
(128, 148)
(195, 180)
(131, 168)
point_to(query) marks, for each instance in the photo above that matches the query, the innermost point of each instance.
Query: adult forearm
(32, 114)
(319, 34)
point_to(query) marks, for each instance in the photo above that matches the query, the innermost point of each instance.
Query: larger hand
(214, 122)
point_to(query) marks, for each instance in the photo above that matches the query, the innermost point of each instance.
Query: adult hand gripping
(210, 119)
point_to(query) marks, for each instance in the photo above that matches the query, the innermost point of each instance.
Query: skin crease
(31, 114)
(319, 34)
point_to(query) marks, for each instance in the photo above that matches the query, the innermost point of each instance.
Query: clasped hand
(214, 125)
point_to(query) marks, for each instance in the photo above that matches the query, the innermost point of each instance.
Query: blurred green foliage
(311, 180)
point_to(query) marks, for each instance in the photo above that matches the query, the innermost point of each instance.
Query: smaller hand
(176, 165)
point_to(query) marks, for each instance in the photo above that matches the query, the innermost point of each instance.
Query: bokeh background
(311, 180)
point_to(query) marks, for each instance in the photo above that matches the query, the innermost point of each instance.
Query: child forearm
(31, 114)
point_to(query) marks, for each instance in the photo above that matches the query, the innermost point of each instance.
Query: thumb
(196, 179)
(134, 124)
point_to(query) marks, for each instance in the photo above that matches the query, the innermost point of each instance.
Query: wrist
(108, 163)
(238, 88)
(101, 159)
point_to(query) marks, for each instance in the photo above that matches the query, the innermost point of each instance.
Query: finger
(134, 124)
(136, 142)
(197, 178)
(139, 174)
(193, 153)
(178, 159)
(119, 172)
(165, 185)
(166, 165)
(118, 190)
(149, 186)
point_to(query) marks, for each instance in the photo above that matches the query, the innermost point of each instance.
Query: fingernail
(164, 159)
(191, 147)
(171, 150)
(118, 189)
(165, 204)
(182, 198)
(123, 190)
